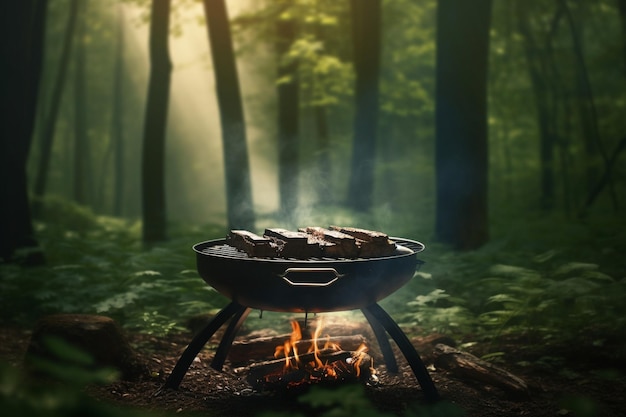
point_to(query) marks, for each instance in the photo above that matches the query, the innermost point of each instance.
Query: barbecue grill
(311, 285)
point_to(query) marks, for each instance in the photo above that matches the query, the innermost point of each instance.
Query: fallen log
(467, 366)
(100, 338)
(264, 347)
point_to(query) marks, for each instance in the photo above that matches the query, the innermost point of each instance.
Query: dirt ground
(568, 380)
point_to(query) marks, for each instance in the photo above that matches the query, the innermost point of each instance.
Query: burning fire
(317, 359)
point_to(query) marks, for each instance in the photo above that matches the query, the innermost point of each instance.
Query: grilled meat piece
(293, 244)
(313, 242)
(254, 245)
(345, 246)
(371, 243)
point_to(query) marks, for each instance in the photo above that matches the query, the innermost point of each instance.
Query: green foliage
(55, 386)
(351, 400)
(70, 365)
(523, 282)
(105, 270)
(579, 406)
(325, 76)
(529, 279)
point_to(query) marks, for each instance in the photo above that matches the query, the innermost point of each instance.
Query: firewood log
(264, 347)
(274, 372)
(467, 366)
(99, 337)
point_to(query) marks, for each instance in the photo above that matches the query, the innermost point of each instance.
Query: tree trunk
(366, 34)
(461, 122)
(22, 31)
(592, 139)
(288, 114)
(81, 154)
(236, 164)
(153, 163)
(622, 16)
(324, 166)
(55, 105)
(541, 90)
(117, 124)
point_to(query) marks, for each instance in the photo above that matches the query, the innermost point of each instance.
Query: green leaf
(503, 298)
(574, 267)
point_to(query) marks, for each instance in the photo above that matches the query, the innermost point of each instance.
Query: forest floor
(579, 379)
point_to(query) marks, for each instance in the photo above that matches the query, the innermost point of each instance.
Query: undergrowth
(548, 276)
(551, 278)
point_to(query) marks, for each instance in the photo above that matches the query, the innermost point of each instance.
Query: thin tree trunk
(366, 38)
(81, 155)
(22, 31)
(461, 122)
(117, 123)
(605, 179)
(324, 166)
(540, 86)
(288, 115)
(54, 107)
(593, 141)
(236, 164)
(621, 4)
(153, 161)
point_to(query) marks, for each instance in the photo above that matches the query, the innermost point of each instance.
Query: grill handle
(310, 277)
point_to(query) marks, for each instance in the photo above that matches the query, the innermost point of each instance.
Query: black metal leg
(409, 352)
(229, 336)
(383, 341)
(198, 342)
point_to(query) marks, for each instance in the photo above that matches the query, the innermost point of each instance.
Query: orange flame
(290, 346)
(293, 348)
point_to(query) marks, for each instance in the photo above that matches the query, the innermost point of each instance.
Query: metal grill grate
(227, 251)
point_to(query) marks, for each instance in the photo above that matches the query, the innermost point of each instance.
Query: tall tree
(117, 125)
(51, 118)
(622, 17)
(153, 161)
(461, 122)
(237, 167)
(81, 153)
(366, 33)
(288, 114)
(542, 82)
(22, 29)
(593, 141)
